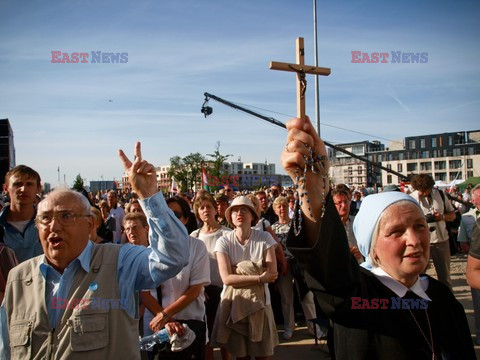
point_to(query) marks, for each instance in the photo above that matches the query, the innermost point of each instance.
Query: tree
(193, 162)
(78, 184)
(178, 171)
(186, 170)
(216, 164)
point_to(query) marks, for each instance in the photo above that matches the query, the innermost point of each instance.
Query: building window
(424, 155)
(434, 142)
(425, 166)
(450, 141)
(389, 179)
(400, 156)
(455, 164)
(389, 166)
(440, 165)
(440, 176)
(411, 144)
(360, 169)
(469, 174)
(459, 138)
(350, 171)
(422, 143)
(359, 180)
(455, 175)
(470, 151)
(399, 167)
(412, 167)
(469, 164)
(457, 152)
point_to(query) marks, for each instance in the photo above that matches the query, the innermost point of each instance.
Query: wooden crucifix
(301, 69)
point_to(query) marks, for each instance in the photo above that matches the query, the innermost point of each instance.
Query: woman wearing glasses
(246, 260)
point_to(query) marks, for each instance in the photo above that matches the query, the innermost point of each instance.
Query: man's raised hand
(141, 174)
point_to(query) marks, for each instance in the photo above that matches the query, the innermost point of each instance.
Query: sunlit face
(206, 211)
(112, 200)
(221, 207)
(105, 211)
(22, 189)
(63, 243)
(227, 190)
(263, 201)
(281, 209)
(135, 207)
(137, 234)
(242, 216)
(402, 246)
(342, 203)
(476, 198)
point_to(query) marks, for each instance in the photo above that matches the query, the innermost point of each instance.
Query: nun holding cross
(419, 317)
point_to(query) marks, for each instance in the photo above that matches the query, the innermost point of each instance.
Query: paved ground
(302, 345)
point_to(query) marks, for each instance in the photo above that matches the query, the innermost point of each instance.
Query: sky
(75, 116)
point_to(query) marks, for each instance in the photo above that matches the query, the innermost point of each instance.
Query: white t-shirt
(255, 249)
(210, 240)
(118, 214)
(19, 225)
(196, 272)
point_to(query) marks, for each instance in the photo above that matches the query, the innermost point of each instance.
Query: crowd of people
(228, 265)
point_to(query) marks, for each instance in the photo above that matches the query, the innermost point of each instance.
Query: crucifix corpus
(301, 69)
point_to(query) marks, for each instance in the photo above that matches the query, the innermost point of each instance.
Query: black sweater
(335, 277)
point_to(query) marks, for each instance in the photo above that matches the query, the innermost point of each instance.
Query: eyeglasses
(64, 218)
(241, 210)
(338, 203)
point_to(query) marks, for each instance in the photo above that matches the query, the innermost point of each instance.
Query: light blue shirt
(138, 267)
(467, 224)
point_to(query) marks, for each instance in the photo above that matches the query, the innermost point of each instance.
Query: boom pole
(206, 110)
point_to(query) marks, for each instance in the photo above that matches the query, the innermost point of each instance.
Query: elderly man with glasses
(79, 299)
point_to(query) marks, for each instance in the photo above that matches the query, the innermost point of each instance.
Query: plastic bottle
(148, 342)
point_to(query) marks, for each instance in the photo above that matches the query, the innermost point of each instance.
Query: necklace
(430, 343)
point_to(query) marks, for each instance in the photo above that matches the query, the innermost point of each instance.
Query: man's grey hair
(81, 199)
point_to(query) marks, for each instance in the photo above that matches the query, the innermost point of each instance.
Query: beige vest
(91, 330)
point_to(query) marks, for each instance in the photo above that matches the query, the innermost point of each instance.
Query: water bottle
(148, 342)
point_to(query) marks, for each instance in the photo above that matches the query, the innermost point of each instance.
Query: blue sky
(177, 50)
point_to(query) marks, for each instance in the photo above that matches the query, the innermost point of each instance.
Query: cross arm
(307, 69)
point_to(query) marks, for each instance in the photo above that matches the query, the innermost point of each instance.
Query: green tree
(216, 162)
(186, 170)
(193, 162)
(179, 171)
(78, 184)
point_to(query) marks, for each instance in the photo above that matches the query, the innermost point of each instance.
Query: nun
(386, 307)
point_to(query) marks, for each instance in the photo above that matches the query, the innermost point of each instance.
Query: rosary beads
(316, 164)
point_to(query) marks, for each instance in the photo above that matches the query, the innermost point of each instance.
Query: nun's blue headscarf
(370, 211)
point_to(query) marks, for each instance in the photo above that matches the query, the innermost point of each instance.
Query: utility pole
(315, 50)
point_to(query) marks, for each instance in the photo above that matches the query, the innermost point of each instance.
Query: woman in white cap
(245, 325)
(385, 308)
